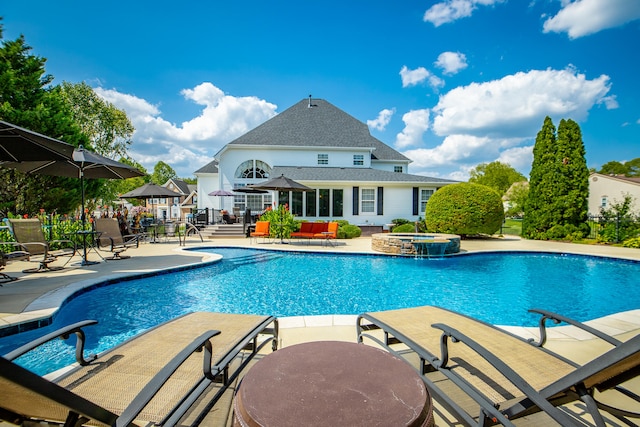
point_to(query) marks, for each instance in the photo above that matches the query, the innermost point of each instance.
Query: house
(354, 176)
(605, 190)
(175, 208)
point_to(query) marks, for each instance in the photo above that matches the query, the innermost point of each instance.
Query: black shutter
(416, 201)
(356, 200)
(380, 200)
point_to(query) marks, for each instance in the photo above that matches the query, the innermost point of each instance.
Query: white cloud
(192, 144)
(384, 117)
(452, 10)
(413, 77)
(498, 120)
(416, 123)
(583, 17)
(451, 62)
(419, 75)
(516, 105)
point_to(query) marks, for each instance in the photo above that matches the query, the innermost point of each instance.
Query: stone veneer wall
(391, 243)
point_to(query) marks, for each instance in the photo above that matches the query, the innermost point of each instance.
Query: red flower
(25, 216)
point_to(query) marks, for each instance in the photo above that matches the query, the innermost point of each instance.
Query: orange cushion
(319, 227)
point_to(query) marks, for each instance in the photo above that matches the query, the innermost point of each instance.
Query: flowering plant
(282, 221)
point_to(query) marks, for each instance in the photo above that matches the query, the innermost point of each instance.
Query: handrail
(63, 333)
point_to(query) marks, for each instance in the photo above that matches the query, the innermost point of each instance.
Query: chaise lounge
(485, 376)
(181, 367)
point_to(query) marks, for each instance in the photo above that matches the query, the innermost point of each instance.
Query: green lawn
(512, 226)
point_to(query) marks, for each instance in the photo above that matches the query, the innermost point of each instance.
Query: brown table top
(331, 383)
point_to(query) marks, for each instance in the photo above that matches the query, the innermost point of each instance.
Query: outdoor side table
(332, 383)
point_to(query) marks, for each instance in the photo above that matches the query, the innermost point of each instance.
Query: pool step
(252, 259)
(223, 231)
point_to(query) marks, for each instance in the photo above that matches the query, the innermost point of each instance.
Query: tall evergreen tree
(557, 204)
(573, 202)
(536, 210)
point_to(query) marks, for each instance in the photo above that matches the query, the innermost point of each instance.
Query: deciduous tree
(497, 175)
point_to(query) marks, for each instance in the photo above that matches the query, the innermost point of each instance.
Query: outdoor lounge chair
(484, 375)
(11, 255)
(181, 367)
(110, 239)
(262, 230)
(28, 232)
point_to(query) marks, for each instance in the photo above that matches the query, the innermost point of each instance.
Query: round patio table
(332, 383)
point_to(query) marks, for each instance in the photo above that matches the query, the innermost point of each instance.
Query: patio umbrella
(249, 190)
(150, 191)
(281, 183)
(18, 144)
(82, 164)
(221, 193)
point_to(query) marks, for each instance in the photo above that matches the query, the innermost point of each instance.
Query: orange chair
(262, 230)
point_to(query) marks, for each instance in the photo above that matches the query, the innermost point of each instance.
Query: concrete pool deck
(37, 296)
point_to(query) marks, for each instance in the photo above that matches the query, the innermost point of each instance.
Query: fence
(613, 229)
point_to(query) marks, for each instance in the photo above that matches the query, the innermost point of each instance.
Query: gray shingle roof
(307, 174)
(211, 167)
(322, 125)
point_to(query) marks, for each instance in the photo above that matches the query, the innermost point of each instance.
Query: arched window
(253, 169)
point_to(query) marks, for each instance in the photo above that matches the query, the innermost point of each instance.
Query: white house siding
(290, 144)
(604, 190)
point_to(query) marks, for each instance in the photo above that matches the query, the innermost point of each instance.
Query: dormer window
(358, 159)
(397, 169)
(323, 159)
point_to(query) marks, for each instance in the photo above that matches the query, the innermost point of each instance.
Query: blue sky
(450, 84)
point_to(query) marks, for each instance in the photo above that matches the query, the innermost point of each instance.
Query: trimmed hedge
(464, 209)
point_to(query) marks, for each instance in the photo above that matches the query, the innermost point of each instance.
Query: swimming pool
(495, 287)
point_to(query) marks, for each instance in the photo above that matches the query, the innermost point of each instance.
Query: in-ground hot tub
(422, 244)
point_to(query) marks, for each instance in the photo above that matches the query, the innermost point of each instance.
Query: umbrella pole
(84, 222)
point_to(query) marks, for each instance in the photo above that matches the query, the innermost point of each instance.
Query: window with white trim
(425, 194)
(358, 159)
(368, 200)
(397, 169)
(603, 202)
(323, 159)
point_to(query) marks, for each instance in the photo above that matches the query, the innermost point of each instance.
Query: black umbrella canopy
(18, 144)
(249, 190)
(82, 164)
(221, 193)
(281, 183)
(149, 191)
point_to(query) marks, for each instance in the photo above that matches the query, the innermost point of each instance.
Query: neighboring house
(175, 208)
(354, 176)
(604, 190)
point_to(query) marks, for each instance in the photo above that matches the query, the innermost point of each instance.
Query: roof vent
(310, 104)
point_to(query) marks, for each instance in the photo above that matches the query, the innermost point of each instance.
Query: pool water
(495, 287)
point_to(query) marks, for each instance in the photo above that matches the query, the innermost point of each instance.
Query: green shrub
(349, 231)
(404, 228)
(632, 243)
(400, 221)
(465, 209)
